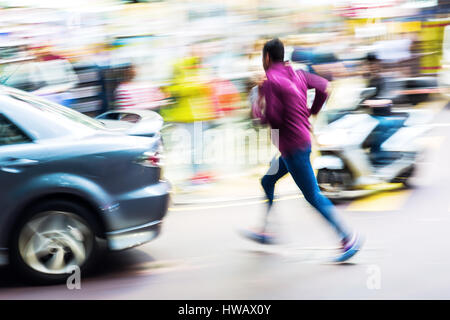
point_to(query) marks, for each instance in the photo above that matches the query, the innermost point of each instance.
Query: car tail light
(151, 158)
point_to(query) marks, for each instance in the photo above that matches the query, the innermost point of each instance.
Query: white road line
(228, 205)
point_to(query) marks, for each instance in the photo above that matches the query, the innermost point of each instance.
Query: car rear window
(50, 107)
(123, 116)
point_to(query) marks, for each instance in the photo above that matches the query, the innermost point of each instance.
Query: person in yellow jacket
(192, 93)
(193, 108)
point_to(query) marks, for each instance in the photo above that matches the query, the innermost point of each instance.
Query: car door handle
(10, 164)
(18, 162)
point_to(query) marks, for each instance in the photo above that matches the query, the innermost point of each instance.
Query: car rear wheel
(333, 183)
(334, 180)
(52, 240)
(406, 177)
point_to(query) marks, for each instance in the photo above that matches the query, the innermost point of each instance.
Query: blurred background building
(199, 57)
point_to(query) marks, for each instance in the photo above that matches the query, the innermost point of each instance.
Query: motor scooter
(362, 149)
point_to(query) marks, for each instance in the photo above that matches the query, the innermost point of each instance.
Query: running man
(283, 103)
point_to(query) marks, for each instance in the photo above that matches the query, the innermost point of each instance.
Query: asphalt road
(200, 254)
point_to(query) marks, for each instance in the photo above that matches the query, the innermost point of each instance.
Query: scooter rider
(376, 77)
(380, 105)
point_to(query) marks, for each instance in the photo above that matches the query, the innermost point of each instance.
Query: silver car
(66, 182)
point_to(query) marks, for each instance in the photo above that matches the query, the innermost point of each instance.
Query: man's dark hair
(275, 49)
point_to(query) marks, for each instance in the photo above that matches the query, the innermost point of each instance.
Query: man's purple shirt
(285, 93)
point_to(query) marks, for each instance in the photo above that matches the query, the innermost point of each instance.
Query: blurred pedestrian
(137, 94)
(285, 110)
(193, 109)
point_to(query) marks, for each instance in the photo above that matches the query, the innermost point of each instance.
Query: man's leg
(276, 171)
(299, 166)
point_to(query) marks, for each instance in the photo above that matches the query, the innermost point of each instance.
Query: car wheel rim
(54, 242)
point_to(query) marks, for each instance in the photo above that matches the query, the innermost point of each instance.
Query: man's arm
(274, 107)
(258, 104)
(322, 88)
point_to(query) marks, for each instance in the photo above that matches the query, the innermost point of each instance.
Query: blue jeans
(299, 166)
(386, 128)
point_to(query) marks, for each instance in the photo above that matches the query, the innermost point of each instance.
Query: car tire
(53, 240)
(406, 178)
(338, 180)
(326, 178)
(408, 181)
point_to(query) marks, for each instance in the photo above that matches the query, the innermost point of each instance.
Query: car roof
(38, 124)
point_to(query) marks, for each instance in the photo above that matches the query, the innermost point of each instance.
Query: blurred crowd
(198, 60)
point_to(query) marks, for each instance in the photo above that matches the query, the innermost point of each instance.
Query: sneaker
(260, 237)
(350, 247)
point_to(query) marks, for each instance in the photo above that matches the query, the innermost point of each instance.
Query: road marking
(383, 187)
(227, 205)
(383, 201)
